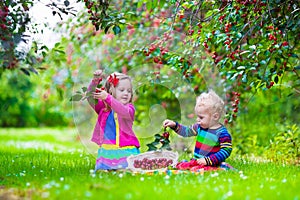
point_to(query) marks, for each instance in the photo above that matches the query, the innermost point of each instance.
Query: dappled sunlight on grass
(35, 145)
(62, 167)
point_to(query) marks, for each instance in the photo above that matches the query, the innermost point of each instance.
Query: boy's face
(123, 92)
(204, 116)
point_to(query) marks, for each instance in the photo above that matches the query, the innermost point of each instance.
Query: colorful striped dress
(214, 145)
(110, 155)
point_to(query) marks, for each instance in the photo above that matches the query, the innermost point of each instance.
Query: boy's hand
(169, 123)
(201, 161)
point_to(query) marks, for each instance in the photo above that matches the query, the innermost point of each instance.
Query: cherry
(225, 121)
(166, 135)
(100, 89)
(156, 59)
(285, 43)
(190, 32)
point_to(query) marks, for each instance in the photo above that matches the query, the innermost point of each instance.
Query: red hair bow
(113, 80)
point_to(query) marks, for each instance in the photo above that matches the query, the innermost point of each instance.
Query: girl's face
(123, 91)
(205, 118)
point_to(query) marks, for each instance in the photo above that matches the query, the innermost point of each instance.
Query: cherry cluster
(6, 40)
(3, 22)
(97, 11)
(83, 94)
(150, 164)
(235, 100)
(162, 140)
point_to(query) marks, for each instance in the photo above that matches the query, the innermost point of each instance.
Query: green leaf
(278, 60)
(67, 3)
(157, 136)
(154, 5)
(149, 5)
(140, 4)
(162, 3)
(276, 79)
(166, 146)
(76, 97)
(25, 71)
(106, 29)
(244, 79)
(151, 147)
(294, 55)
(263, 62)
(84, 89)
(116, 29)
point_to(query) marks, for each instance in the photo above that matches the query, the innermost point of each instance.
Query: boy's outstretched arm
(185, 131)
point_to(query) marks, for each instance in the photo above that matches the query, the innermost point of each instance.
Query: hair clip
(113, 80)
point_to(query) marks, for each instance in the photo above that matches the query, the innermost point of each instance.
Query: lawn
(49, 163)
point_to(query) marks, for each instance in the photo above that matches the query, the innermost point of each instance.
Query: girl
(113, 130)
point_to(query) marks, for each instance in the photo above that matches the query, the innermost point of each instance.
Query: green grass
(52, 164)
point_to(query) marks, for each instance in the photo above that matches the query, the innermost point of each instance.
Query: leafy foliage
(160, 140)
(285, 145)
(15, 23)
(23, 106)
(252, 43)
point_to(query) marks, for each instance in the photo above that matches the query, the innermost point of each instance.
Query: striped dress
(110, 155)
(214, 145)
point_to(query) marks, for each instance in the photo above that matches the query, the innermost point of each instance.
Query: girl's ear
(111, 90)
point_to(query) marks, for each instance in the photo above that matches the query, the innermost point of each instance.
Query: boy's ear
(216, 116)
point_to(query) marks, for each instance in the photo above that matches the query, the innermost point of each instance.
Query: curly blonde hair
(212, 101)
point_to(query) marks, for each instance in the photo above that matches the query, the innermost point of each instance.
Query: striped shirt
(214, 145)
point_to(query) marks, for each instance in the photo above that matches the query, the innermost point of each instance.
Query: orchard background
(248, 51)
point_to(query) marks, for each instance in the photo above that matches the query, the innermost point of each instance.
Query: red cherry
(166, 135)
(156, 59)
(190, 32)
(226, 121)
(285, 43)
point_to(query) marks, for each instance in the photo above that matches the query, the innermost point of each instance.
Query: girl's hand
(169, 123)
(98, 72)
(100, 94)
(97, 76)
